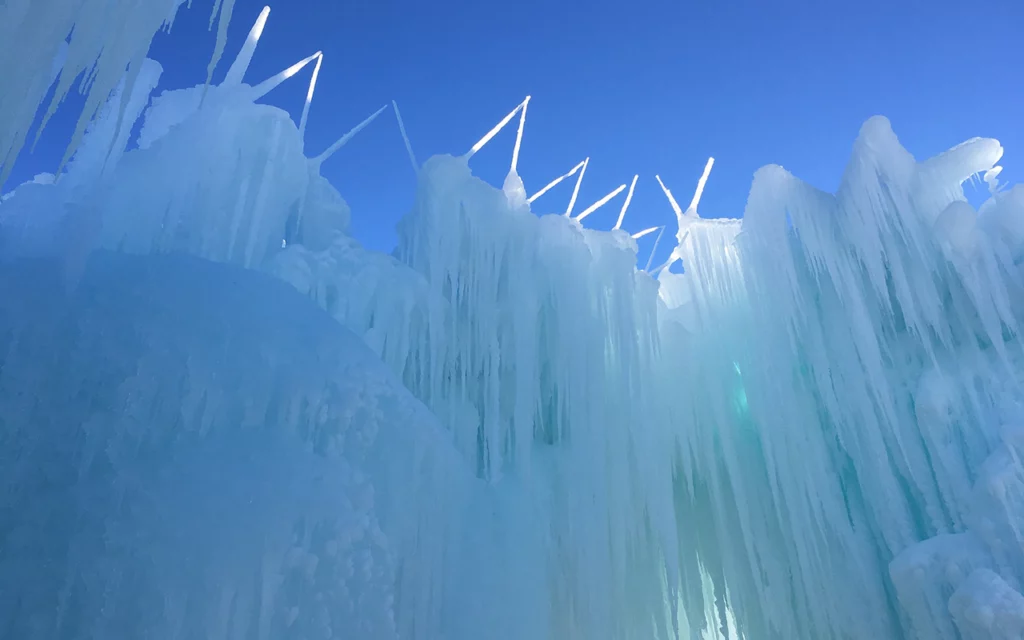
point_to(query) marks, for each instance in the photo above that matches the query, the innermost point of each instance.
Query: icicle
(576, 189)
(654, 249)
(646, 232)
(309, 97)
(680, 224)
(684, 218)
(671, 198)
(272, 82)
(343, 140)
(600, 203)
(236, 73)
(700, 187)
(519, 135)
(625, 205)
(107, 136)
(91, 51)
(494, 131)
(555, 182)
(222, 16)
(405, 137)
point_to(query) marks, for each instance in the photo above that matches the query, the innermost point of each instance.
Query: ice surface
(193, 450)
(222, 417)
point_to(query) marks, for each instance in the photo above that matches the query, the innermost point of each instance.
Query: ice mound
(193, 450)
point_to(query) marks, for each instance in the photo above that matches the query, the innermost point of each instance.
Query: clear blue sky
(644, 86)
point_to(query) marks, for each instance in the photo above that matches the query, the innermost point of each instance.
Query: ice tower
(221, 417)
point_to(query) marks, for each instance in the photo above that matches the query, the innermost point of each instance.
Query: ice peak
(343, 140)
(498, 127)
(274, 81)
(236, 72)
(519, 136)
(405, 137)
(685, 218)
(557, 180)
(600, 203)
(625, 205)
(309, 95)
(576, 189)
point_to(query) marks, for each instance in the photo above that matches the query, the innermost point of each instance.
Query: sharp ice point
(692, 209)
(309, 95)
(654, 249)
(625, 205)
(222, 10)
(600, 203)
(494, 131)
(555, 182)
(343, 140)
(645, 232)
(519, 135)
(236, 73)
(576, 189)
(671, 198)
(274, 81)
(405, 138)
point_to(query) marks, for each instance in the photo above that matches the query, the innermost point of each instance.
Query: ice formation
(222, 417)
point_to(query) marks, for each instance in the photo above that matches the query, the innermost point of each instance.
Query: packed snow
(221, 417)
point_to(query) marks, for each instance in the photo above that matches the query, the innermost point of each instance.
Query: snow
(222, 417)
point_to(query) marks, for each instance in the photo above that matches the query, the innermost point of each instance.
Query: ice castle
(223, 418)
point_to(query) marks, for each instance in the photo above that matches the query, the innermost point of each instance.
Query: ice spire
(646, 232)
(671, 199)
(498, 127)
(685, 218)
(600, 203)
(272, 82)
(405, 137)
(700, 188)
(236, 72)
(625, 205)
(343, 140)
(519, 135)
(654, 249)
(576, 189)
(309, 96)
(557, 180)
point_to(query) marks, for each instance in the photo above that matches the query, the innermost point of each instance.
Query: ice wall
(529, 338)
(788, 298)
(167, 472)
(821, 394)
(193, 450)
(812, 432)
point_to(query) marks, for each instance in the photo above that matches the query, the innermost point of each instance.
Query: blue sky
(645, 86)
